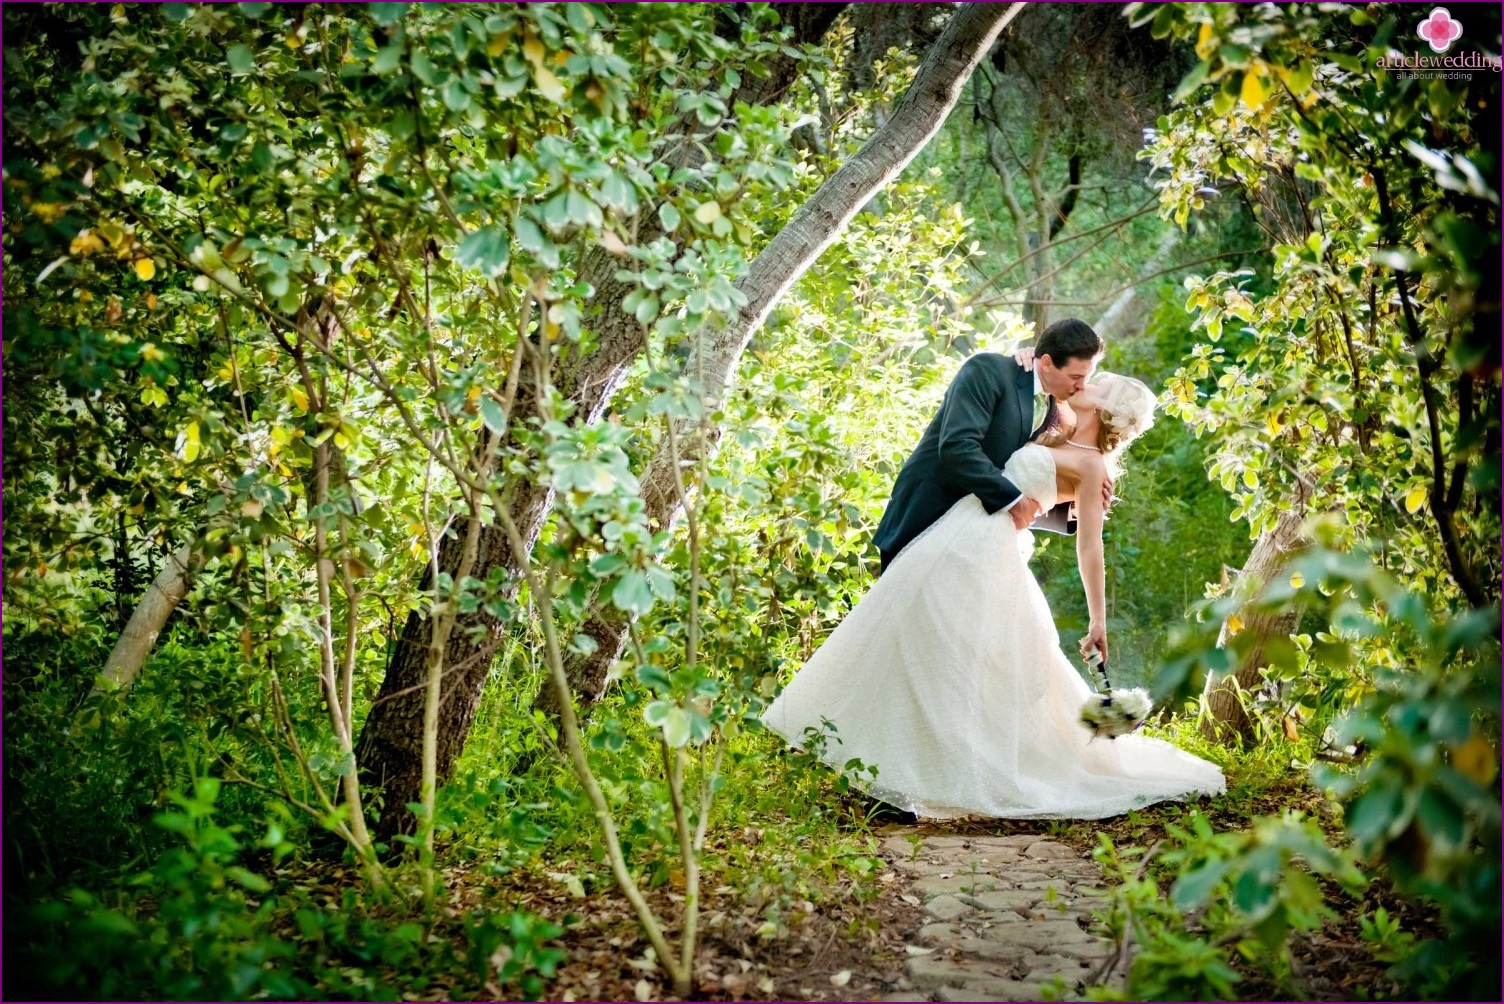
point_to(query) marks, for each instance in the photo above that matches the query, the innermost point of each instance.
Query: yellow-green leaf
(1297, 580)
(1204, 40)
(191, 445)
(1414, 498)
(1251, 478)
(532, 50)
(708, 212)
(548, 84)
(1299, 77)
(145, 268)
(1253, 93)
(1476, 758)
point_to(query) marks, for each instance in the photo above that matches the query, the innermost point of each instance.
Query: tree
(1058, 108)
(358, 212)
(389, 751)
(1351, 389)
(713, 360)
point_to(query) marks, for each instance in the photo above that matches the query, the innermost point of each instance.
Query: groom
(993, 407)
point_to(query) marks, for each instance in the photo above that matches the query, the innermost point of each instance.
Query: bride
(948, 675)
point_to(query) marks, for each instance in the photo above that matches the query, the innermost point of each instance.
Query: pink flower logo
(1440, 30)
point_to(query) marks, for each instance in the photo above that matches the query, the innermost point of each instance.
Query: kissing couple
(948, 676)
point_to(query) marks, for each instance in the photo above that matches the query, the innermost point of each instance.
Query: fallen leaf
(916, 950)
(841, 979)
(643, 990)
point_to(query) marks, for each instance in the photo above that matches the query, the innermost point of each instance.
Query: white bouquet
(1113, 713)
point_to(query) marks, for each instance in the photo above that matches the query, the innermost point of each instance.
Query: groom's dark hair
(1068, 339)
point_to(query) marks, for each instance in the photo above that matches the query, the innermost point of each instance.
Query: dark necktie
(1049, 417)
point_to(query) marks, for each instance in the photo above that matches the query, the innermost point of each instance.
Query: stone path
(1010, 918)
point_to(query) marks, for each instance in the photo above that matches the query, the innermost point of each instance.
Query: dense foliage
(315, 307)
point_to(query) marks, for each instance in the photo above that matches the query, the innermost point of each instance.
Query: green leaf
(239, 58)
(388, 58)
(423, 67)
(1374, 813)
(655, 677)
(1272, 930)
(492, 414)
(1253, 893)
(485, 250)
(676, 726)
(531, 238)
(1193, 80)
(581, 210)
(646, 308)
(668, 216)
(616, 192)
(632, 593)
(1299, 77)
(1195, 887)
(248, 879)
(607, 564)
(662, 583)
(456, 98)
(384, 14)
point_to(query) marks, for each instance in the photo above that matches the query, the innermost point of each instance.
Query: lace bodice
(1032, 471)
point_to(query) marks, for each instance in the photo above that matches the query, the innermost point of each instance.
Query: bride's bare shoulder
(1084, 464)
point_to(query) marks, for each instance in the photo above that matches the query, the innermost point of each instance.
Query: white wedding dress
(948, 677)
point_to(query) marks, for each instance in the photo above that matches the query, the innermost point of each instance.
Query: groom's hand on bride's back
(1024, 513)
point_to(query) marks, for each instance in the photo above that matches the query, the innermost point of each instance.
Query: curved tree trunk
(1126, 316)
(146, 623)
(391, 742)
(1224, 716)
(915, 120)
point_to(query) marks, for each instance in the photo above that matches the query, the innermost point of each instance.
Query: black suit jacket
(985, 417)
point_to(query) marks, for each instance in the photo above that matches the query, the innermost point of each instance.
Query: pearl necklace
(1083, 446)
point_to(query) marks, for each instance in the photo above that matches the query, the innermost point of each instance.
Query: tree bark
(810, 22)
(1224, 716)
(915, 120)
(1126, 315)
(390, 753)
(146, 623)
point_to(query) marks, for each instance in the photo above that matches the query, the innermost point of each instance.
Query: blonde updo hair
(1125, 412)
